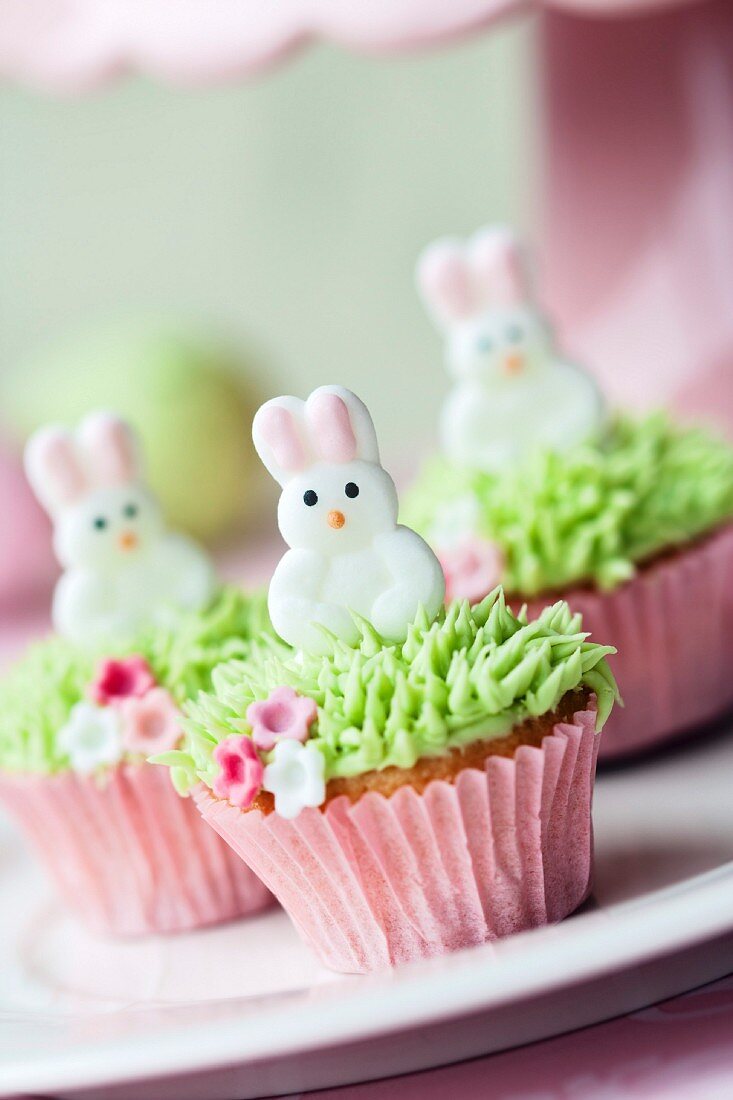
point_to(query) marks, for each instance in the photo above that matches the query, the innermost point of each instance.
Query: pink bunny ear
(53, 469)
(445, 281)
(499, 267)
(110, 447)
(277, 439)
(340, 426)
(330, 427)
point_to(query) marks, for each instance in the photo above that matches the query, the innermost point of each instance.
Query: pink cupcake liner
(384, 881)
(128, 854)
(673, 627)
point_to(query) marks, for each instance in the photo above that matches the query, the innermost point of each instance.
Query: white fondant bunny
(123, 569)
(338, 513)
(513, 393)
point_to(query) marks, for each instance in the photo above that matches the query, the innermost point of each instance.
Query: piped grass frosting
(591, 514)
(40, 691)
(473, 673)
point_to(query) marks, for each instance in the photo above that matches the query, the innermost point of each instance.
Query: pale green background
(290, 209)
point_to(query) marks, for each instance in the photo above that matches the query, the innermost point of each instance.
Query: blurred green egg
(188, 394)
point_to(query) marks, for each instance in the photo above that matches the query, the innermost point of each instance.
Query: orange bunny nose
(513, 362)
(336, 520)
(128, 540)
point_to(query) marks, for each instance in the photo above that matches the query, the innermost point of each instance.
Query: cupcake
(542, 489)
(140, 623)
(407, 779)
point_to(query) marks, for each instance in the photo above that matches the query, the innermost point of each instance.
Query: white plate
(245, 1010)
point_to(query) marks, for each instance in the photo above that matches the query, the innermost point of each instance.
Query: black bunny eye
(515, 333)
(100, 523)
(310, 498)
(130, 511)
(484, 344)
(352, 489)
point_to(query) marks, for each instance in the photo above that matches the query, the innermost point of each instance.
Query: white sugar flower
(295, 777)
(91, 737)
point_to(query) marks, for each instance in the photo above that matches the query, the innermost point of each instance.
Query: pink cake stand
(637, 104)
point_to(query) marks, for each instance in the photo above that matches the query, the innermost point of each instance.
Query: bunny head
(478, 293)
(323, 451)
(90, 484)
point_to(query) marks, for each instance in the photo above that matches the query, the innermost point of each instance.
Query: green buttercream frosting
(473, 673)
(593, 513)
(39, 692)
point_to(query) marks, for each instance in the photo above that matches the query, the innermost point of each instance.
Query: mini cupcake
(140, 624)
(407, 779)
(539, 488)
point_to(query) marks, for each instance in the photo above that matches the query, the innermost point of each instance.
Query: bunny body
(512, 392)
(493, 425)
(90, 606)
(123, 569)
(338, 514)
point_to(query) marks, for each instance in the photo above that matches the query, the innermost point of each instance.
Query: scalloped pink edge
(388, 880)
(71, 45)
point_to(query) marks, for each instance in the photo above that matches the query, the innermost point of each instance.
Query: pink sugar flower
(472, 567)
(121, 678)
(151, 723)
(240, 771)
(283, 715)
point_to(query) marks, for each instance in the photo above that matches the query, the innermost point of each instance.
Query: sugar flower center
(233, 768)
(120, 679)
(152, 725)
(277, 716)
